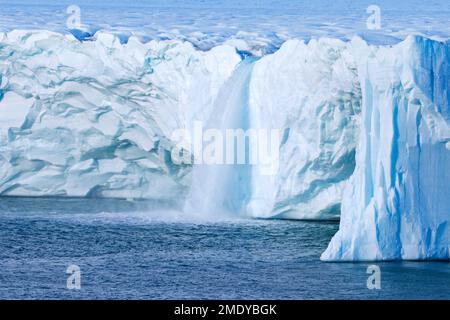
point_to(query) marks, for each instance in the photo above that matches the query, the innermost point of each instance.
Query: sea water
(126, 250)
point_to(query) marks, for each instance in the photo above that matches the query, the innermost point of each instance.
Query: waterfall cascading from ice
(225, 188)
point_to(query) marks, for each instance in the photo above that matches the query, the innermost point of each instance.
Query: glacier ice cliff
(92, 118)
(397, 204)
(95, 119)
(311, 92)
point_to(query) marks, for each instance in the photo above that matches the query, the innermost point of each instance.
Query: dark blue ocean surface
(125, 252)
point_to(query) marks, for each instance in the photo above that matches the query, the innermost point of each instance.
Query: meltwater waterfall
(224, 187)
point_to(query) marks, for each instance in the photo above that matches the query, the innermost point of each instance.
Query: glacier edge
(93, 119)
(396, 205)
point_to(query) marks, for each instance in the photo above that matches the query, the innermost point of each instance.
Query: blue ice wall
(397, 204)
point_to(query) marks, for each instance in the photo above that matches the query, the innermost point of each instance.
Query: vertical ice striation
(397, 204)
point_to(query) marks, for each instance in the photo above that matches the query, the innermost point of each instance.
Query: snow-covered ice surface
(258, 26)
(397, 203)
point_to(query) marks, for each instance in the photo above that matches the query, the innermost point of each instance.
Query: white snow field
(257, 26)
